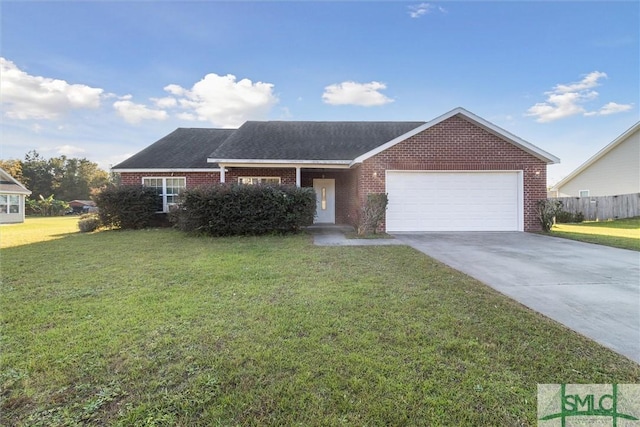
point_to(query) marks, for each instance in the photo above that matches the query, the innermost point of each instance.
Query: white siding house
(12, 196)
(614, 170)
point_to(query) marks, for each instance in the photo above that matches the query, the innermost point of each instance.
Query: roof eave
(279, 162)
(163, 170)
(597, 156)
(490, 127)
(25, 192)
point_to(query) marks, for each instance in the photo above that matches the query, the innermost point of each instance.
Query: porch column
(222, 173)
(298, 177)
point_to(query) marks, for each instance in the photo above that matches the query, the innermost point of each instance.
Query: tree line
(59, 178)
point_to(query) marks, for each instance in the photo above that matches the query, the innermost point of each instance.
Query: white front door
(325, 200)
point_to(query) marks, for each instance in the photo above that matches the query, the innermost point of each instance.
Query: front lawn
(621, 233)
(37, 229)
(153, 327)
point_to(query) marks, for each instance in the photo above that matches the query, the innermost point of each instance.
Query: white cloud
(69, 150)
(416, 11)
(187, 116)
(566, 100)
(224, 101)
(134, 113)
(166, 102)
(34, 97)
(611, 108)
(175, 90)
(352, 93)
(589, 81)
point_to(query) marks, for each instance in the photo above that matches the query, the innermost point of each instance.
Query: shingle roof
(9, 184)
(10, 187)
(300, 140)
(184, 148)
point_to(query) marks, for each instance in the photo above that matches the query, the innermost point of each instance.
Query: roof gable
(9, 184)
(478, 121)
(600, 154)
(307, 141)
(184, 148)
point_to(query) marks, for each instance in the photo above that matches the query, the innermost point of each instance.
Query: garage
(454, 201)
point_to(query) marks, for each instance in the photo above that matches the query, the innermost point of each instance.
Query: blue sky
(103, 80)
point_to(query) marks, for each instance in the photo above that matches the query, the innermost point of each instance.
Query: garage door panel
(453, 201)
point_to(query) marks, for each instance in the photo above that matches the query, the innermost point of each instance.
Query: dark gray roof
(12, 187)
(184, 148)
(9, 184)
(308, 140)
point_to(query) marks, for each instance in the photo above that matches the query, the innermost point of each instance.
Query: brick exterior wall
(287, 175)
(193, 179)
(454, 144)
(346, 196)
(457, 144)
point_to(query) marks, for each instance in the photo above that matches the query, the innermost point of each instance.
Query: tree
(37, 175)
(14, 168)
(67, 178)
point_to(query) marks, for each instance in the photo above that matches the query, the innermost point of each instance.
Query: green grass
(621, 233)
(153, 327)
(37, 229)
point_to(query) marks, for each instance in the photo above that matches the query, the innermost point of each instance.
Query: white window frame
(580, 193)
(256, 180)
(165, 203)
(5, 206)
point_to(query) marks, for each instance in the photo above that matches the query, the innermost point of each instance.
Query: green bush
(127, 206)
(232, 209)
(564, 217)
(88, 223)
(547, 211)
(373, 213)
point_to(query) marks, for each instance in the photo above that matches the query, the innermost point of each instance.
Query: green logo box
(589, 405)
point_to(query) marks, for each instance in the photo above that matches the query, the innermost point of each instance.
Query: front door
(325, 200)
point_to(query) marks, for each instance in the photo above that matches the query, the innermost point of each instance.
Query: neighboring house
(12, 196)
(457, 172)
(80, 206)
(614, 170)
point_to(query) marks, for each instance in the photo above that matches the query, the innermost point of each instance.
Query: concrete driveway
(592, 289)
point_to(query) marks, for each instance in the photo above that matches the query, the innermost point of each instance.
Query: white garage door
(454, 201)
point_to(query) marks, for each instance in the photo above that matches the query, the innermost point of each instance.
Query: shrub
(547, 211)
(373, 213)
(232, 209)
(127, 206)
(564, 217)
(46, 206)
(88, 223)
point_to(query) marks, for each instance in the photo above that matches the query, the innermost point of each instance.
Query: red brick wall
(457, 144)
(346, 196)
(194, 179)
(287, 175)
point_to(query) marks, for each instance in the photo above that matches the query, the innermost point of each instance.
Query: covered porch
(335, 185)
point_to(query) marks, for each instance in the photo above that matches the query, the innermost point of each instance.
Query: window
(167, 189)
(9, 204)
(584, 193)
(255, 180)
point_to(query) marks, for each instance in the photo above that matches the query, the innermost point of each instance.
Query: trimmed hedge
(127, 206)
(88, 223)
(232, 209)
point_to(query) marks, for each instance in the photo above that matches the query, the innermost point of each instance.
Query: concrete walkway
(334, 235)
(592, 289)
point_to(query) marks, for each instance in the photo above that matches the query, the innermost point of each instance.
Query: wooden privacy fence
(602, 208)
